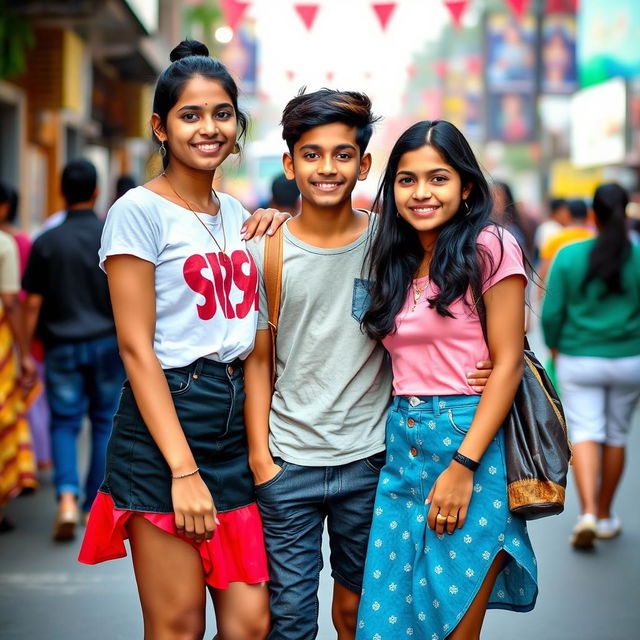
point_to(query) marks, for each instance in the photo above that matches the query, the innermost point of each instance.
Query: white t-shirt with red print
(206, 300)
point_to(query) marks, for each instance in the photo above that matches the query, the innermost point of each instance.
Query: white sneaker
(607, 528)
(584, 533)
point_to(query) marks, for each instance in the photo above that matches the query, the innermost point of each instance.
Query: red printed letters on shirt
(227, 272)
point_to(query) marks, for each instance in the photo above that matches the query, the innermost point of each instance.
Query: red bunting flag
(456, 9)
(561, 6)
(233, 11)
(330, 76)
(290, 74)
(307, 13)
(441, 68)
(519, 7)
(474, 64)
(383, 11)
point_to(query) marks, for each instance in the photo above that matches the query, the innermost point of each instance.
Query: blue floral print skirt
(419, 584)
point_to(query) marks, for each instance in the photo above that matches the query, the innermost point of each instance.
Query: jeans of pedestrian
(80, 378)
(293, 506)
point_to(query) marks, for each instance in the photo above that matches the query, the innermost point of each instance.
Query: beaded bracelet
(186, 475)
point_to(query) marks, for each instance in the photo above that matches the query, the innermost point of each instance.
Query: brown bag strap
(273, 283)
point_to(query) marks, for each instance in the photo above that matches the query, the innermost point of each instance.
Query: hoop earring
(236, 148)
(162, 151)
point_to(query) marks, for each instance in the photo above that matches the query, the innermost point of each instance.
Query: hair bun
(188, 48)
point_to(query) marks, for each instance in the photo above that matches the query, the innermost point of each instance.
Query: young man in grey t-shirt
(316, 438)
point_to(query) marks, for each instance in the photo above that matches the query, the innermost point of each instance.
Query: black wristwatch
(466, 462)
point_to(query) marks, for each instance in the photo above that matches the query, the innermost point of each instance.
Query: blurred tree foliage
(16, 37)
(201, 20)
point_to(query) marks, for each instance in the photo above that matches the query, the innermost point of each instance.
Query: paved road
(46, 594)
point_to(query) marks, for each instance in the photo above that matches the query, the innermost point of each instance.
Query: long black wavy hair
(395, 254)
(612, 247)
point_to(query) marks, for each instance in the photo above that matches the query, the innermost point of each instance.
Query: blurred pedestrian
(576, 229)
(8, 216)
(38, 413)
(507, 213)
(184, 291)
(559, 217)
(285, 195)
(443, 545)
(54, 220)
(17, 462)
(123, 184)
(591, 319)
(69, 309)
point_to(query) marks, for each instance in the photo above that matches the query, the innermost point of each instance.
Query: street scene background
(546, 91)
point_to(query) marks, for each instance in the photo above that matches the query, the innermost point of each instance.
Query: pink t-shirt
(431, 354)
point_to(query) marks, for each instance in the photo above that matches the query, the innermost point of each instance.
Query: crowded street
(319, 319)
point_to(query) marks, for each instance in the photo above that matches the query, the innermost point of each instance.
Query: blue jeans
(82, 377)
(293, 506)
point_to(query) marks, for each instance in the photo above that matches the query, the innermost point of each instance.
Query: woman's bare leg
(170, 583)
(242, 611)
(612, 468)
(471, 624)
(586, 470)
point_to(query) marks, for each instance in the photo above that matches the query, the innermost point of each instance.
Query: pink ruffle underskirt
(236, 552)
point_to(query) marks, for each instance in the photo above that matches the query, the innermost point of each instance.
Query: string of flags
(234, 10)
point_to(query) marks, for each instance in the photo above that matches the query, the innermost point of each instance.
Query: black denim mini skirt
(209, 400)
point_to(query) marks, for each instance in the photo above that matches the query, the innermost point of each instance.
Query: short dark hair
(79, 181)
(309, 110)
(189, 59)
(10, 195)
(123, 184)
(557, 203)
(578, 209)
(284, 191)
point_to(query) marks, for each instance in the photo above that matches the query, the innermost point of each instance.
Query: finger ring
(441, 518)
(452, 517)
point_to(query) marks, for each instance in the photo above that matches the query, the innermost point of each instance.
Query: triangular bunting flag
(561, 6)
(383, 11)
(519, 7)
(441, 68)
(456, 9)
(233, 11)
(307, 13)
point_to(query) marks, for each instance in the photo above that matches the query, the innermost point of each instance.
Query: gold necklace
(417, 292)
(222, 248)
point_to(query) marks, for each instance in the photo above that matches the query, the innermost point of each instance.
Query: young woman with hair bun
(184, 293)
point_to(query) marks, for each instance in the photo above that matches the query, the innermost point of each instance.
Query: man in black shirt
(68, 307)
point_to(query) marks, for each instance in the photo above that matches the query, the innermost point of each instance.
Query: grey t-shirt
(333, 383)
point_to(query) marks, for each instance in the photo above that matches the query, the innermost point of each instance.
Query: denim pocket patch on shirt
(360, 299)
